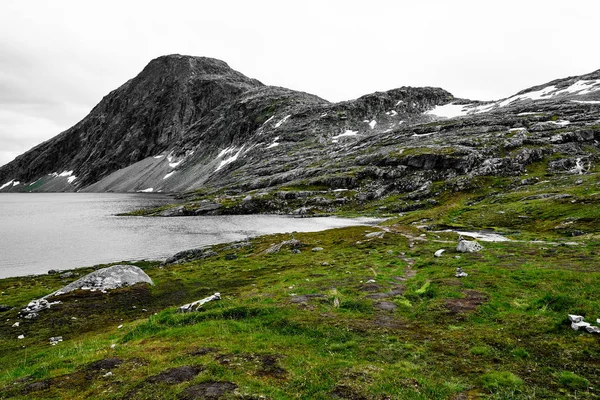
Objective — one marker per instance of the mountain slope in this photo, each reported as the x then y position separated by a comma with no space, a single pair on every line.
139,119
188,123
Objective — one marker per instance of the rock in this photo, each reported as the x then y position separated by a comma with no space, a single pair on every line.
32,309
53,272
21,337
15,325
293,244
370,281
575,318
231,257
439,253
460,273
467,246
68,274
315,249
55,340
196,305
372,235
592,329
581,324
107,279
190,255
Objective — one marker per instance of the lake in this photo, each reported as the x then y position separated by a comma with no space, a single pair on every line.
44,231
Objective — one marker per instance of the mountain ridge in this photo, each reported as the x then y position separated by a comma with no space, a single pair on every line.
187,123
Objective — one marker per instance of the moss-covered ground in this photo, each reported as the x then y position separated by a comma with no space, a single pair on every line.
365,318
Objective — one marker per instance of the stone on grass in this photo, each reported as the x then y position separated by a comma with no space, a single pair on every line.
467,246
107,279
592,329
32,309
460,273
293,244
581,324
575,318
315,249
378,235
439,252
55,340
196,305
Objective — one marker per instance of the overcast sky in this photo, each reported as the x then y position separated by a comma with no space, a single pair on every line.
59,58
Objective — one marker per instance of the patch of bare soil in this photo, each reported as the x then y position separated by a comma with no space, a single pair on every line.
207,390
346,393
469,303
176,375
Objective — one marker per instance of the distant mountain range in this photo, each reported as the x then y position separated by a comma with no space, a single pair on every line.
186,123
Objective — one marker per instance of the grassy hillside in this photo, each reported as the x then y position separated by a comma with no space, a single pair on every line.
367,317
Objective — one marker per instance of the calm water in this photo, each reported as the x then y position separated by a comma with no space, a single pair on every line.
39,232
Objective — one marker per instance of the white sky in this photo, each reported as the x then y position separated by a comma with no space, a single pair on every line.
59,58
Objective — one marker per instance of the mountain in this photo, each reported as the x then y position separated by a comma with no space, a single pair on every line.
188,123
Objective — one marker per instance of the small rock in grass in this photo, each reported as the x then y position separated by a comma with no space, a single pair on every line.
315,249
15,325
55,340
108,374
371,281
592,329
21,337
378,234
581,324
575,318
439,252
119,327
460,273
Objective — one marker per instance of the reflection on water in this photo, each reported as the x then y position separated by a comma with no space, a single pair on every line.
43,231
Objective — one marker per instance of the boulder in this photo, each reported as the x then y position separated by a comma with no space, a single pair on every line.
108,278
467,246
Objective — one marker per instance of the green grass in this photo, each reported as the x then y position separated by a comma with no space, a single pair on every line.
502,332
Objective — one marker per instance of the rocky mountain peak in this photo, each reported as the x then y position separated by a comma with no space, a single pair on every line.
185,123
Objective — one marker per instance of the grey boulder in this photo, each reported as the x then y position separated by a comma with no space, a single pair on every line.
108,278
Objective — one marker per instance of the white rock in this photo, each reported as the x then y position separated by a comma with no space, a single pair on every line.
467,246
575,318
581,324
119,327
55,340
460,273
21,337
15,325
592,329
106,375
371,281
375,234
439,252
198,304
